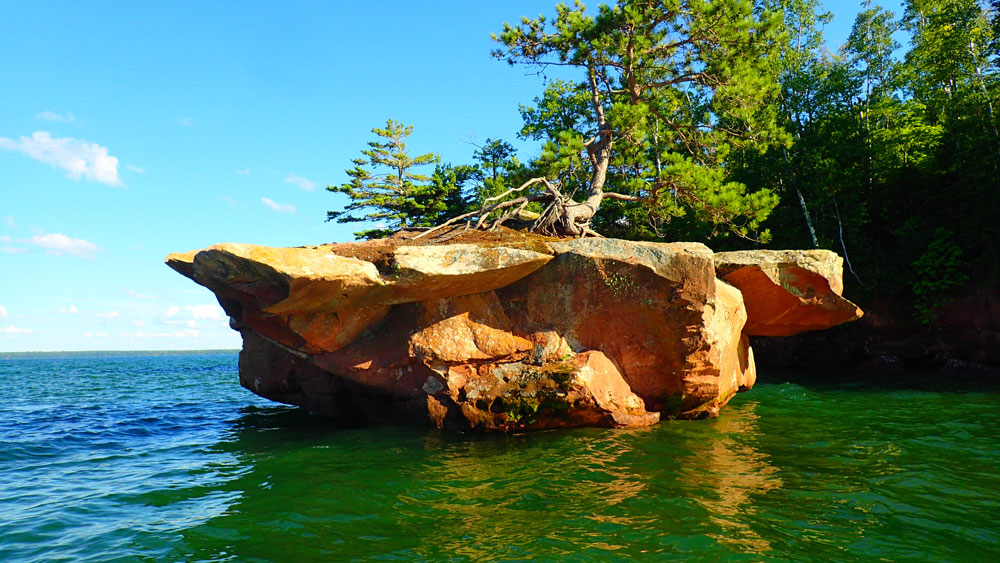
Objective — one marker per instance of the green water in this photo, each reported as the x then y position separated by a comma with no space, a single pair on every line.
168,459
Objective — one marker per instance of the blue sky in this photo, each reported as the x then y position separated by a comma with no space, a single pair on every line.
131,130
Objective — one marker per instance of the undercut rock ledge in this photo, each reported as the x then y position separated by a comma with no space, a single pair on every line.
510,335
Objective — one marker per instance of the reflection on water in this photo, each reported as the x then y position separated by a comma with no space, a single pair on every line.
163,459
737,472
420,493
790,473
591,494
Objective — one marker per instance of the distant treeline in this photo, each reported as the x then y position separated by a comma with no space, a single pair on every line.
110,354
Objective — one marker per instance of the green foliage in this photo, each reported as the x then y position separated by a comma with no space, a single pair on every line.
669,92
939,269
893,161
497,169
896,160
384,188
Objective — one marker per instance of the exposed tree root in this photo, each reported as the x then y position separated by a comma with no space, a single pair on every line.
562,217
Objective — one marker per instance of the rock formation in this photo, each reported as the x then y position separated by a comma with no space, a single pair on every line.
788,291
519,332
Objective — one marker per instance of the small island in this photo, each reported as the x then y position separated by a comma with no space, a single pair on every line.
511,331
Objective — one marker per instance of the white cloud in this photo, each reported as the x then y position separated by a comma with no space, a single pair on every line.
9,221
47,115
137,295
206,311
11,329
13,249
138,323
5,238
59,244
304,183
229,200
79,158
109,315
71,310
3,312
279,207
244,172
191,315
186,121
96,334
135,169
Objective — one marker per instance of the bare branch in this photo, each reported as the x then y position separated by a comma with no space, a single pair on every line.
623,197
486,209
511,203
510,213
455,233
690,77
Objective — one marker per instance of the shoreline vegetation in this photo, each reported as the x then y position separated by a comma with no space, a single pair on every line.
112,354
734,124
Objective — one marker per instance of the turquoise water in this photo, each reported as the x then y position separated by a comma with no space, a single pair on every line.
167,459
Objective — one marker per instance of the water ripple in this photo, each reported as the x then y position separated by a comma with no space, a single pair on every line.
168,459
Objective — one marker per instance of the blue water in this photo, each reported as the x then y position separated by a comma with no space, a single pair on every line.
167,458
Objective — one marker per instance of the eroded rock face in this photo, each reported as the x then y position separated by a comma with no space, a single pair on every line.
535,334
649,307
307,299
317,301
788,291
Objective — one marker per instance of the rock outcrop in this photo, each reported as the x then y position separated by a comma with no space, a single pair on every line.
788,291
506,335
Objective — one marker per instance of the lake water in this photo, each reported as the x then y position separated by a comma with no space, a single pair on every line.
168,459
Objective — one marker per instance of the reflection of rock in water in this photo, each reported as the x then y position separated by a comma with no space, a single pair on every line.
425,494
506,494
737,473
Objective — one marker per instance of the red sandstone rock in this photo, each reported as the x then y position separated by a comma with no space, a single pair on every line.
788,291
593,332
650,308
312,299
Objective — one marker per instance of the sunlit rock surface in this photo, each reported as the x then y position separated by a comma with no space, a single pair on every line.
788,291
507,335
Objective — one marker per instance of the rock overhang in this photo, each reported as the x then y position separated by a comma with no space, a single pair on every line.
788,291
414,332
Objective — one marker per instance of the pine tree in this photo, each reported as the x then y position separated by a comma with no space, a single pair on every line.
385,187
669,91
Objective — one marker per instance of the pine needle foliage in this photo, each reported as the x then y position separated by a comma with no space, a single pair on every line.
385,188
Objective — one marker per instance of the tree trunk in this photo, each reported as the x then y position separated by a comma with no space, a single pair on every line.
570,218
847,259
986,94
802,200
809,223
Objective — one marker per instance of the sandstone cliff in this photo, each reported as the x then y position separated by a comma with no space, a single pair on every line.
514,333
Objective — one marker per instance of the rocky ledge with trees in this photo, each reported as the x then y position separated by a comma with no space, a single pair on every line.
734,123
722,121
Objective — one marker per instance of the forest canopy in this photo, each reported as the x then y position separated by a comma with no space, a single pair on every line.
733,122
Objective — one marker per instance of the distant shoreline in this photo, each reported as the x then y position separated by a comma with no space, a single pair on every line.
110,354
